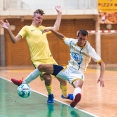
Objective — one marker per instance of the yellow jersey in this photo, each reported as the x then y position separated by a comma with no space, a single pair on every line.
38,44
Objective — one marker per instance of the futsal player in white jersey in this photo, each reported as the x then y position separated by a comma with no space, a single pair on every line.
81,53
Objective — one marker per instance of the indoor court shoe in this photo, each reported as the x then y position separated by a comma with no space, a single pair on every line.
70,97
76,100
50,99
16,82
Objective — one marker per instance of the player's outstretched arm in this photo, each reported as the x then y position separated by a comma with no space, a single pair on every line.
102,69
59,35
7,26
58,19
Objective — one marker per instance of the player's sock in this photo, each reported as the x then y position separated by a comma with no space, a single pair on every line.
77,96
76,91
64,90
49,89
50,95
64,93
33,75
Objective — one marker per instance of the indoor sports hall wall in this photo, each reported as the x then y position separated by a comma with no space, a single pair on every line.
18,54
109,45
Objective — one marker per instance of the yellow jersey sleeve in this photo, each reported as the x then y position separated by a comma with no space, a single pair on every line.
43,27
23,31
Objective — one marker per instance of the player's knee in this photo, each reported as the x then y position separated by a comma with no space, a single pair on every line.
47,77
63,83
41,67
78,83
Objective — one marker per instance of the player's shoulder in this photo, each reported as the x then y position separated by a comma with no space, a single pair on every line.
26,27
70,39
88,46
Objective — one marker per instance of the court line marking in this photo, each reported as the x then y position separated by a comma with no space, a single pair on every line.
56,100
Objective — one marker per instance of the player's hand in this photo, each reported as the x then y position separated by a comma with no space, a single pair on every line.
46,30
58,9
5,24
100,80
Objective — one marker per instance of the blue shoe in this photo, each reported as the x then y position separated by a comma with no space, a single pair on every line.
50,99
70,97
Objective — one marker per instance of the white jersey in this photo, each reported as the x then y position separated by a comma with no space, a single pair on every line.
80,56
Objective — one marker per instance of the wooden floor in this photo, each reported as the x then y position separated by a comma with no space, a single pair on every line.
95,99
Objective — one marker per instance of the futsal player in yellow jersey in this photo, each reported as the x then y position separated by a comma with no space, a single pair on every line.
39,48
38,44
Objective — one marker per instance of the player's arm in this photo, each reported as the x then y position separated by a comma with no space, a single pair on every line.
102,69
6,26
57,22
58,19
96,58
59,35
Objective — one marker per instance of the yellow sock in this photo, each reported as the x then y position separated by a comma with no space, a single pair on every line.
64,90
49,89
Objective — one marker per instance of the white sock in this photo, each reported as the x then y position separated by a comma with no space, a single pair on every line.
76,91
33,75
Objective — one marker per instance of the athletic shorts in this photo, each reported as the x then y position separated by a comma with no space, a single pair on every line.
44,61
70,74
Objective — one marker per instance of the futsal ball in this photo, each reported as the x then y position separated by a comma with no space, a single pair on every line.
24,90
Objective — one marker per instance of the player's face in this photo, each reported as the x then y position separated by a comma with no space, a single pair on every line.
81,40
37,19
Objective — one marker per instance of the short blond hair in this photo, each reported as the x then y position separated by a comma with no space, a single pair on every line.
38,11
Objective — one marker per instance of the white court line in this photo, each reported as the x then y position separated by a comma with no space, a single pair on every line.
57,100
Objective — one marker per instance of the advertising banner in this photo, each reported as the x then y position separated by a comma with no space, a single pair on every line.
107,11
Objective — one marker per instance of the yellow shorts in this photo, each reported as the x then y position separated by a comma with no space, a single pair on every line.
44,61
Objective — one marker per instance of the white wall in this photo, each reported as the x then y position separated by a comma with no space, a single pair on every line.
48,4
26,7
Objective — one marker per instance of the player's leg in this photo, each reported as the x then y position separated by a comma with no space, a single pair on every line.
48,84
47,68
33,75
48,81
76,78
63,83
63,87
55,69
46,77
77,84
